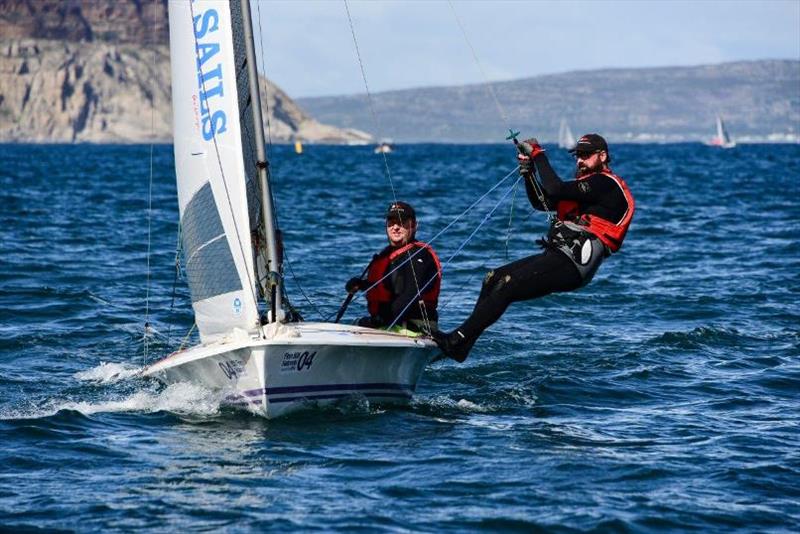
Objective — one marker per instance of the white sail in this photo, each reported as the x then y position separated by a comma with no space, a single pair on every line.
565,137
722,133
723,138
210,167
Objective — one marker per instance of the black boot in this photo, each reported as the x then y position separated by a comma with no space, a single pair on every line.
454,345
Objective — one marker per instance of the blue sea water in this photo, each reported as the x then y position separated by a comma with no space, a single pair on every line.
661,397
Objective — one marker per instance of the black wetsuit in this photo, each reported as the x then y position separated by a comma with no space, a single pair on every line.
405,285
550,271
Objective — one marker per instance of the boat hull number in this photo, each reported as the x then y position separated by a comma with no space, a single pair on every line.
232,368
297,361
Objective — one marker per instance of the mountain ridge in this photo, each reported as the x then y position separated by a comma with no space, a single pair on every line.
759,100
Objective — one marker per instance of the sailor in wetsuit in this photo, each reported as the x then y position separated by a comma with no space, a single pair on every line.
593,213
403,279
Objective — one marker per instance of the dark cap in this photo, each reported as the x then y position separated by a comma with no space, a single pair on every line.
590,143
402,211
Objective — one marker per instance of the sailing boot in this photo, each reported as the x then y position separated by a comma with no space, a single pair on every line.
454,345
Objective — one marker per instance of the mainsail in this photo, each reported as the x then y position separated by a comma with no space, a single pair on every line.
217,193
722,132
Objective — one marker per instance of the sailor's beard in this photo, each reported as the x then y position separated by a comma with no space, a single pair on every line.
585,170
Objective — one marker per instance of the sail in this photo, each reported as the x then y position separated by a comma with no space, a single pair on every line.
213,183
723,138
565,137
722,132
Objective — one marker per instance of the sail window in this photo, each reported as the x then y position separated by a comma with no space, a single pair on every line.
209,263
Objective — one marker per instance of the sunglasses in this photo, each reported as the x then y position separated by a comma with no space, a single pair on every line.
585,155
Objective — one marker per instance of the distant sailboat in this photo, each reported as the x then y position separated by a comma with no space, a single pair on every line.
565,138
723,138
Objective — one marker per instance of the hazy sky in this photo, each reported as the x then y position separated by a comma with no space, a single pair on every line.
309,51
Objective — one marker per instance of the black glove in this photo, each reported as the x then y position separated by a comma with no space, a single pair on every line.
526,166
355,284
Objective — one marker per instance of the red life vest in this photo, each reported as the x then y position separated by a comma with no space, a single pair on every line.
609,232
379,294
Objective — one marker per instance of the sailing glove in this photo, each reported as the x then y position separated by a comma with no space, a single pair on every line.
526,167
531,147
355,284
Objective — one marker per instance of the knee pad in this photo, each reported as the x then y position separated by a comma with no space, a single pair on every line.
488,279
493,283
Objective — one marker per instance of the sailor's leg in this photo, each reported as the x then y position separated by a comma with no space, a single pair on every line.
525,279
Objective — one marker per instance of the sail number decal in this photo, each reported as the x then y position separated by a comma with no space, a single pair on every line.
209,71
297,361
232,368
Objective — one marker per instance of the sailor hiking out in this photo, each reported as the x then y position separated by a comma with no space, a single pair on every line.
593,213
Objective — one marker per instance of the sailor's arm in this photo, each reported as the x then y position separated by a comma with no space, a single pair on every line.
533,198
551,183
589,190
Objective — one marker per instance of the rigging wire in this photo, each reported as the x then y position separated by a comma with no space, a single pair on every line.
501,112
489,85
370,104
439,233
288,262
459,249
511,216
178,249
378,132
443,230
145,338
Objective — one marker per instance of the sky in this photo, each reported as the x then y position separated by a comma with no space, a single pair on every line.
308,47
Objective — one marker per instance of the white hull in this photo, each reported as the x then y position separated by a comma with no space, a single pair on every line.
300,365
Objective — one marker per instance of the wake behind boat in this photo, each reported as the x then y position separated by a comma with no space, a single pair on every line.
253,346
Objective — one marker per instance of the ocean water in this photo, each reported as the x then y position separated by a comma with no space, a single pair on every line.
664,396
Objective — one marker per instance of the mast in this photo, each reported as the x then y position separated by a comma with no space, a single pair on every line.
267,209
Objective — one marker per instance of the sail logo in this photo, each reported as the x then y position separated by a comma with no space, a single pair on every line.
209,73
297,361
237,306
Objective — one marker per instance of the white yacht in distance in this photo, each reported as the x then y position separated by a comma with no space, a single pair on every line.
723,138
565,138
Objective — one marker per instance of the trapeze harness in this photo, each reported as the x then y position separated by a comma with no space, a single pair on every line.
585,238
379,295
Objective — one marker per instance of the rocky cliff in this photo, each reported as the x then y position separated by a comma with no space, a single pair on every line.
97,71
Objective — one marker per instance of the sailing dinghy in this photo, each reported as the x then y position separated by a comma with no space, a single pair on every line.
723,138
251,348
565,138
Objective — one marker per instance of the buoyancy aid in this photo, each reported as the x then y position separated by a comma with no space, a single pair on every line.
609,232
378,268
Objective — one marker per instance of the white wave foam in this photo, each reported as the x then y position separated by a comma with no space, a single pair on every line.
181,398
441,401
107,373
469,406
